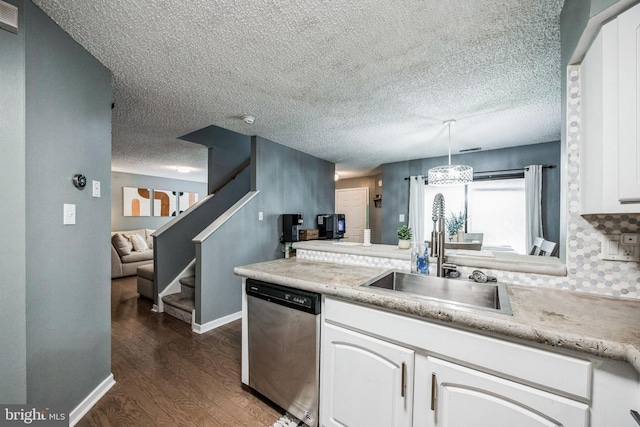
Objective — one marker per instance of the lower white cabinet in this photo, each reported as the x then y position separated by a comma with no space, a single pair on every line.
380,368
459,396
365,381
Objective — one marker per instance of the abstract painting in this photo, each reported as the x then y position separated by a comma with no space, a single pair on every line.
136,201
186,200
164,203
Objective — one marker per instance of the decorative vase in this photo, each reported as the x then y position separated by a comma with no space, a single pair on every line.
367,237
461,236
404,244
453,238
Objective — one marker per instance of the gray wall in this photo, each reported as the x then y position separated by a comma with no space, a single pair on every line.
289,182
375,214
121,179
227,151
68,286
395,194
13,369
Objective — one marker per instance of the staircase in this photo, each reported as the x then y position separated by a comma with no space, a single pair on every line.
182,304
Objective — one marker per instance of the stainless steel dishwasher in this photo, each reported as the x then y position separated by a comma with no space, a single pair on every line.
284,347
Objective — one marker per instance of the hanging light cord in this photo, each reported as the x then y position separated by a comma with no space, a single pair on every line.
448,123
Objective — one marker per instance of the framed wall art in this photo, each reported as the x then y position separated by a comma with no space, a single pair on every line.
136,201
164,203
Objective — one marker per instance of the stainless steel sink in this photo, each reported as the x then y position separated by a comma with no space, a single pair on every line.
458,293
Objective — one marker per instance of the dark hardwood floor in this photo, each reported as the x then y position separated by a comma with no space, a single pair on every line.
167,375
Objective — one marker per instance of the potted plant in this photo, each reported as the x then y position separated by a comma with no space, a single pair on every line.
455,223
404,237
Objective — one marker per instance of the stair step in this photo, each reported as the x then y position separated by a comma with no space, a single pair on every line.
189,281
179,300
188,287
178,306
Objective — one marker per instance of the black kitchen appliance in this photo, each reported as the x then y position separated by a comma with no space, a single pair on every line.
331,226
291,225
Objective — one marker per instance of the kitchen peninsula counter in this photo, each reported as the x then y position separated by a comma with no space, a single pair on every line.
586,323
336,251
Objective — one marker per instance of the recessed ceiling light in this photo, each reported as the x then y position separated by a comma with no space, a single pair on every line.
183,169
249,119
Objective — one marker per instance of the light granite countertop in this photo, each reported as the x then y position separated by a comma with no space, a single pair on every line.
587,323
478,259
343,247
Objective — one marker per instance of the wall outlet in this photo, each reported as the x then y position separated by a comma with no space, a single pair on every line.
628,250
612,249
629,239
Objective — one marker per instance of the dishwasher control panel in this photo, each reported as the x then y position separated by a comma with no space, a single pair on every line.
302,300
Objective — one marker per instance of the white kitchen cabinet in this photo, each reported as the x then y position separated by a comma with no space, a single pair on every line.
459,396
610,148
629,112
479,380
365,381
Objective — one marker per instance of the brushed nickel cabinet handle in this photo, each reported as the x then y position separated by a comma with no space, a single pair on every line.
404,379
433,391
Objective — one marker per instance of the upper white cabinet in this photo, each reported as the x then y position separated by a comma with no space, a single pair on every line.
629,113
610,147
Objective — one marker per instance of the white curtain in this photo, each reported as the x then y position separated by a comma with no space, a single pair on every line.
533,202
416,208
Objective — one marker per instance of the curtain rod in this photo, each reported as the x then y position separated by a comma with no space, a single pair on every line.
505,171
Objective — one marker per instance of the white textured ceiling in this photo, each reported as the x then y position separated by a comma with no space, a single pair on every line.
358,83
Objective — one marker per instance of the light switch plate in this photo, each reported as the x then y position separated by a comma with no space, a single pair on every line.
613,250
401,218
260,216
69,214
96,188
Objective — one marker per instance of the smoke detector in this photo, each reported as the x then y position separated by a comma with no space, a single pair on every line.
248,119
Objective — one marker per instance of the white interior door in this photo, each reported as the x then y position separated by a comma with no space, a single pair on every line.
352,202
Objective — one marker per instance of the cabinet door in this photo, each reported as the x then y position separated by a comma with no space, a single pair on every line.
365,381
465,397
629,112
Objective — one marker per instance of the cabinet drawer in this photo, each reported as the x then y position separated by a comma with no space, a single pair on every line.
544,369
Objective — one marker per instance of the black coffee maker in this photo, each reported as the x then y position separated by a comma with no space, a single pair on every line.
291,226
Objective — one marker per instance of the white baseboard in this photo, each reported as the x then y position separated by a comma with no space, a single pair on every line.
201,329
88,402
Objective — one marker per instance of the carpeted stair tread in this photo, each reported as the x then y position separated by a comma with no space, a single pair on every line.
188,281
179,301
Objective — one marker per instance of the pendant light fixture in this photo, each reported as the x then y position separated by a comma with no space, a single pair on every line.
450,174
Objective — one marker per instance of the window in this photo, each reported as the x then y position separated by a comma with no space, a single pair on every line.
495,208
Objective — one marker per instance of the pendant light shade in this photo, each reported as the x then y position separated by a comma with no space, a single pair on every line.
450,174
